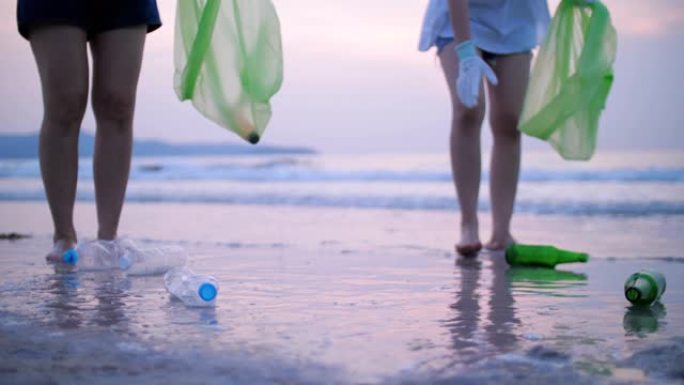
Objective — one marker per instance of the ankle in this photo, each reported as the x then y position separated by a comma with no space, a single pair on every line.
470,233
469,221
106,235
503,237
66,237
501,230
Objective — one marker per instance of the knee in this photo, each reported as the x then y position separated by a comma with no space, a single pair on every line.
468,120
114,106
64,111
505,126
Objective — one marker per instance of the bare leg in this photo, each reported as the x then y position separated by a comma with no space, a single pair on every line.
506,100
465,155
117,58
62,60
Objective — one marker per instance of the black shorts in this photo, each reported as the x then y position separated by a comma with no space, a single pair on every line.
93,16
489,57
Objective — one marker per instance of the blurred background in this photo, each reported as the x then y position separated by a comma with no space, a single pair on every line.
362,121
355,81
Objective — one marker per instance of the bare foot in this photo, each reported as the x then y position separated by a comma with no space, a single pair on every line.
498,243
58,249
470,244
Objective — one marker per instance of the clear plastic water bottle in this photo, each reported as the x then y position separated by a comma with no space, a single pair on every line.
193,289
151,261
93,256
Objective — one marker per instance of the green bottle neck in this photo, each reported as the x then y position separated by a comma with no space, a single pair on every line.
642,290
565,256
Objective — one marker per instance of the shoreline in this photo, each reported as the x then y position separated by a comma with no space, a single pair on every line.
314,228
340,296
334,315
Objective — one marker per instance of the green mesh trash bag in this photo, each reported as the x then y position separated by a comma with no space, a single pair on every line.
571,80
228,58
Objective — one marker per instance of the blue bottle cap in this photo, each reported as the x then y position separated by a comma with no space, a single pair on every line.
125,262
70,256
207,291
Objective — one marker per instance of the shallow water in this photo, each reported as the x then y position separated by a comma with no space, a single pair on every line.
286,314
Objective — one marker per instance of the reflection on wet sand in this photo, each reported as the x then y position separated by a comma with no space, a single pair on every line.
546,282
642,320
467,307
485,302
113,301
502,310
177,313
65,301
469,314
74,306
110,291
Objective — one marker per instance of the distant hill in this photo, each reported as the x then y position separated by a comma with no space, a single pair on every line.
26,146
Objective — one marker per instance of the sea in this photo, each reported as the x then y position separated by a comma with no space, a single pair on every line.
624,183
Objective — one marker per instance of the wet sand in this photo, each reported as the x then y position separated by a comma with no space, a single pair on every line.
341,297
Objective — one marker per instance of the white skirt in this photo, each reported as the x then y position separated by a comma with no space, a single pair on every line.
497,26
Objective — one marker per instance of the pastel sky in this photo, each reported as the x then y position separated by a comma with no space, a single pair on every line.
355,82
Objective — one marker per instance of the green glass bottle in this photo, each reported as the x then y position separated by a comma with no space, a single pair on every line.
540,255
644,287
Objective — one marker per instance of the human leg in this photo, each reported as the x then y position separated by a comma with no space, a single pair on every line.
506,100
465,154
117,58
61,56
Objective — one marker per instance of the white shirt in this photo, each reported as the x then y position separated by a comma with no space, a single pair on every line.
496,26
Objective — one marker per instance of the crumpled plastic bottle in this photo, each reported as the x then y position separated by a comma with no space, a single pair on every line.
93,255
152,260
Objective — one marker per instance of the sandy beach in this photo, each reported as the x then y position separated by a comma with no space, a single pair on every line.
341,296
333,240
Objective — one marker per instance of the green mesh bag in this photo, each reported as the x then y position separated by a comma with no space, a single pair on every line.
228,59
571,80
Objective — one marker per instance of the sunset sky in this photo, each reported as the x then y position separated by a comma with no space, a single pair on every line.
355,82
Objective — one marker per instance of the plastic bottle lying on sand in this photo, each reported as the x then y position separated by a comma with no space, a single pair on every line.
645,287
151,261
93,256
193,289
544,256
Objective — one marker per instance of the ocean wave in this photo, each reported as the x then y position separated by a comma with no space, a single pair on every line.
293,170
417,202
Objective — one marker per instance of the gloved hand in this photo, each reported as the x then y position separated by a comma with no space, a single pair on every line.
471,68
584,2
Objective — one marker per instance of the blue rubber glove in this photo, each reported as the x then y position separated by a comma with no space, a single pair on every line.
471,68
